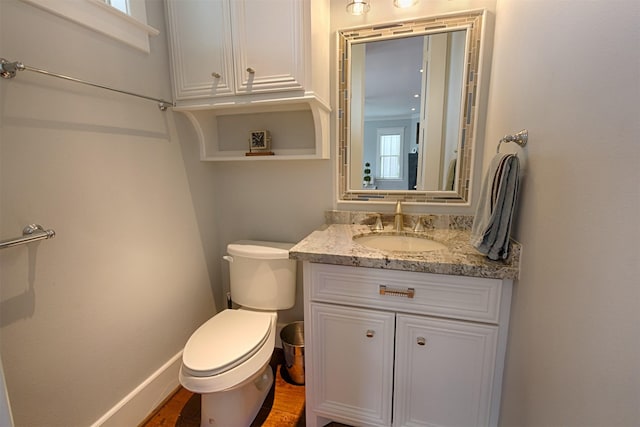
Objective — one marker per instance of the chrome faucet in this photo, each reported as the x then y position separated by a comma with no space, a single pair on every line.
398,220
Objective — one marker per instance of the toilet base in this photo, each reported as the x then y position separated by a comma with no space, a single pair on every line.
237,407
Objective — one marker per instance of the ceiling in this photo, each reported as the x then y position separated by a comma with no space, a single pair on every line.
393,77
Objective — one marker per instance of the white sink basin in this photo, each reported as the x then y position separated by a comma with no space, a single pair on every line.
400,243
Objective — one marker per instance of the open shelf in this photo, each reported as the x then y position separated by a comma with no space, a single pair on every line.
299,129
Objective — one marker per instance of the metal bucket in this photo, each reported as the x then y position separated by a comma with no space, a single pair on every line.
292,337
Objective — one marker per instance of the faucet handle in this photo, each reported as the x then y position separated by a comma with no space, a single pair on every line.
419,227
378,225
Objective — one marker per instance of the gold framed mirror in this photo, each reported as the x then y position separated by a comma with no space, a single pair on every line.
408,101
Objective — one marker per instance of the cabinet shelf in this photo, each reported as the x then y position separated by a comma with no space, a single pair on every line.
299,128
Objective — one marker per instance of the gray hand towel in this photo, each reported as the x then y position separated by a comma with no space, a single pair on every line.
492,222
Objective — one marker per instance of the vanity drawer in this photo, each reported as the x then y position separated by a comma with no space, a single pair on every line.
459,297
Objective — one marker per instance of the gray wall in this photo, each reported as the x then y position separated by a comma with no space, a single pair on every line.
89,315
574,350
279,201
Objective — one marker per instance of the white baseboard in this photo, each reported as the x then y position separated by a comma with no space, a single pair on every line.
138,404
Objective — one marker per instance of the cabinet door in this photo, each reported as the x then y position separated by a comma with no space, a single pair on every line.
200,41
268,44
353,364
444,372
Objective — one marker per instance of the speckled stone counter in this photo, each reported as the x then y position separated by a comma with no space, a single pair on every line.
334,244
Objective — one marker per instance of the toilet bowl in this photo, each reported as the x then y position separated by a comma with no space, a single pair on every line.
226,360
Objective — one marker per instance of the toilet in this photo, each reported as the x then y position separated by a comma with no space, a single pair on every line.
226,360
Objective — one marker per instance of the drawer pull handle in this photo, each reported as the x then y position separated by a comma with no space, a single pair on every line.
421,341
251,70
409,292
215,75
370,333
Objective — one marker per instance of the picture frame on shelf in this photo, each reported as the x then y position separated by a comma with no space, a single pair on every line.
259,143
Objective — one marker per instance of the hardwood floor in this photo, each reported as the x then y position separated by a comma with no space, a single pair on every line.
283,407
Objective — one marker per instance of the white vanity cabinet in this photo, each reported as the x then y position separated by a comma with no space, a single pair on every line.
398,348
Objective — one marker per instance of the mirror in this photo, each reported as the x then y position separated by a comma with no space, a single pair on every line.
407,109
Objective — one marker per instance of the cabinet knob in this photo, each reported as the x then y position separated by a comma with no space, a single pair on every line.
215,75
421,341
251,70
370,333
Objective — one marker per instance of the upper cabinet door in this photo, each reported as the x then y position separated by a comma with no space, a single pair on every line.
268,45
200,40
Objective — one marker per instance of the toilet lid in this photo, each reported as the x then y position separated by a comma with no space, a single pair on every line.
260,250
225,341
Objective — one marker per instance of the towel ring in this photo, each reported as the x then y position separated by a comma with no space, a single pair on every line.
521,138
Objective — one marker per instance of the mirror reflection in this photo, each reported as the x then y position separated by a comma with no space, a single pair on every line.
410,118
407,108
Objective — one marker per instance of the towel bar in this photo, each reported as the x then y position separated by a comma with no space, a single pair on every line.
30,233
8,70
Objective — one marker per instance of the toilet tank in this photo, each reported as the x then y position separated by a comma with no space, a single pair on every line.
261,274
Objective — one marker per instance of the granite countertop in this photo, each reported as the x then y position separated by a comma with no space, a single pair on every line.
333,244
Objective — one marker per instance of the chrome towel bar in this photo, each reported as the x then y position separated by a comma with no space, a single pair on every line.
30,233
8,70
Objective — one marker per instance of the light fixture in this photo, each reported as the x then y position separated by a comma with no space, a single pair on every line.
404,3
358,7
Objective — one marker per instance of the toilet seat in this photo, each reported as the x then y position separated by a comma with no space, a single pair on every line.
225,341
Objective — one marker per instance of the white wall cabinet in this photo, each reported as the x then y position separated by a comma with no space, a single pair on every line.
435,358
200,45
244,57
224,48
